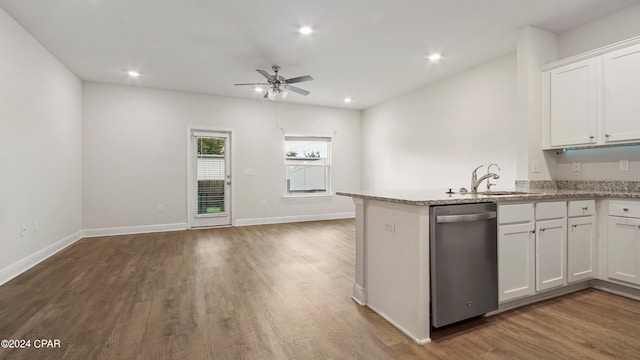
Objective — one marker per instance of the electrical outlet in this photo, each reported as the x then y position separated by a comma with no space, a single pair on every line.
249,172
264,202
160,207
535,166
23,230
624,165
577,166
391,227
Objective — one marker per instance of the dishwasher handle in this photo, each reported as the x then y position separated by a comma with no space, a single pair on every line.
443,219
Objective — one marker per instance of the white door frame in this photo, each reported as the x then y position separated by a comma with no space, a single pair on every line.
191,190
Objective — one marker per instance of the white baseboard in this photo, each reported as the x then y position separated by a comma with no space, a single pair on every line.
419,341
134,230
296,218
618,289
359,295
30,261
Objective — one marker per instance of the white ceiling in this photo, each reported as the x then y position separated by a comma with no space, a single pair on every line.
370,50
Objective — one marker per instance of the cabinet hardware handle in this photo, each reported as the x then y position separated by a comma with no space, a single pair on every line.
574,226
625,209
533,231
591,137
606,135
585,208
543,229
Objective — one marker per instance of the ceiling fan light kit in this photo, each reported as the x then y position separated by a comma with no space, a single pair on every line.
278,84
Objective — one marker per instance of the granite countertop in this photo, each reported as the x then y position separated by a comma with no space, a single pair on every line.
440,197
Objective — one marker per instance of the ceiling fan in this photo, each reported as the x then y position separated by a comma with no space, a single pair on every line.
278,83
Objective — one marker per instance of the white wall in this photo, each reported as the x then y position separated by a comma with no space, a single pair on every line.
535,48
135,143
610,29
435,136
40,145
600,164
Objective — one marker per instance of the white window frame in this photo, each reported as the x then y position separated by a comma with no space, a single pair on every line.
328,177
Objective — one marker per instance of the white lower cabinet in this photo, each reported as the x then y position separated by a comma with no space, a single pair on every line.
542,249
551,244
515,261
624,249
580,248
581,240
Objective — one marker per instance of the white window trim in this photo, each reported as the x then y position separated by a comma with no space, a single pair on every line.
306,137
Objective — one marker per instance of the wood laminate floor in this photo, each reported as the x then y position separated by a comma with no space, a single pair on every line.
268,292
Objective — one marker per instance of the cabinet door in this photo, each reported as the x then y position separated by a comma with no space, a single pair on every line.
624,249
573,104
621,105
580,248
515,261
551,244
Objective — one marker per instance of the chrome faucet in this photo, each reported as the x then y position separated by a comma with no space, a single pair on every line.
489,184
475,182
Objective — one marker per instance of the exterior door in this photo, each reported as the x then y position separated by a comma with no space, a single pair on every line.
210,179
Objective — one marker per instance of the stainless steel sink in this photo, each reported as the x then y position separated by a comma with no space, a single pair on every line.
501,193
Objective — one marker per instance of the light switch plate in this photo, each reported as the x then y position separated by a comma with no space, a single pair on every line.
535,166
624,165
249,172
577,166
390,227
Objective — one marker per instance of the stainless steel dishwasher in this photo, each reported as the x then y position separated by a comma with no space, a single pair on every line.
464,262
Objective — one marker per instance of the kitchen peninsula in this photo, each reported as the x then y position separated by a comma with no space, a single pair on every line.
392,274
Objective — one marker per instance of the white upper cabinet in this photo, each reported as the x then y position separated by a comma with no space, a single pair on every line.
573,104
622,86
592,101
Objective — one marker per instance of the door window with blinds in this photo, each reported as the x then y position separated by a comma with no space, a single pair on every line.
308,165
210,170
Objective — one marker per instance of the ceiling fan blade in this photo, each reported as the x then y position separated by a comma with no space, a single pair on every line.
299,79
266,74
252,84
297,90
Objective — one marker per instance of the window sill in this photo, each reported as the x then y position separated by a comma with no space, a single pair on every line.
306,196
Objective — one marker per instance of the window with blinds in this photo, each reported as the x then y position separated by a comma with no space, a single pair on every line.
308,165
210,171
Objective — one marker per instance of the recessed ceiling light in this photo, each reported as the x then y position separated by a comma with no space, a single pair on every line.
347,100
434,57
133,73
305,30
258,89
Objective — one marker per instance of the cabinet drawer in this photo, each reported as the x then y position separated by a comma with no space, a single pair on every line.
582,207
624,208
551,210
515,213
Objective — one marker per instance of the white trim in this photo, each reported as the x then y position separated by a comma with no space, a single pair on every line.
359,295
307,195
403,330
134,230
32,260
296,218
618,289
190,189
592,53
